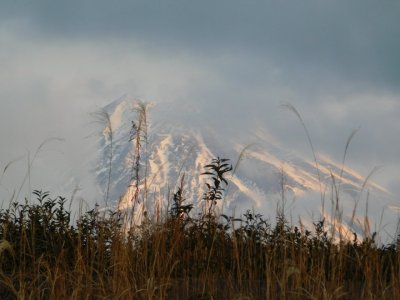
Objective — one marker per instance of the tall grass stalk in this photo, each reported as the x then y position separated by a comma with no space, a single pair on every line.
139,136
291,108
103,118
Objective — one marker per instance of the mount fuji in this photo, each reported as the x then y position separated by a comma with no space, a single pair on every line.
265,177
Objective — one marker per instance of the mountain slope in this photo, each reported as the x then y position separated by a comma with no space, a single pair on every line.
178,147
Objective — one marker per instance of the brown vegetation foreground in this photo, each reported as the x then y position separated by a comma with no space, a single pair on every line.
43,257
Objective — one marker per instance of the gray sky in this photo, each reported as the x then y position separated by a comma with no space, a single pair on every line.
337,62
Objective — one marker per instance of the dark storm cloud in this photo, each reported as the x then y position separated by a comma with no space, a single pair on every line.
336,61
353,39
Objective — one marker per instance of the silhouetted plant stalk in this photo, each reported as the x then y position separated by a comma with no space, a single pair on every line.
336,182
291,108
30,162
179,209
214,192
103,118
138,135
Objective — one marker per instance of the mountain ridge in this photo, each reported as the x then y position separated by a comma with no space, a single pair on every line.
264,171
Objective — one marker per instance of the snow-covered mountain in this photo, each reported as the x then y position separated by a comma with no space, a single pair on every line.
180,146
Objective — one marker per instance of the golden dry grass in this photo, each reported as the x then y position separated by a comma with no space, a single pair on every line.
43,257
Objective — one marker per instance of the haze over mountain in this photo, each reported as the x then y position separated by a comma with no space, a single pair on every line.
218,70
179,147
